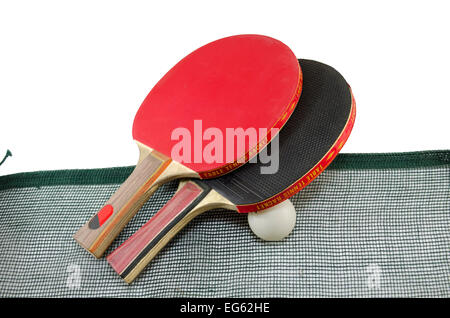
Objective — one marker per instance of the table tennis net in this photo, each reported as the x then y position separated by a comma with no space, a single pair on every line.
372,225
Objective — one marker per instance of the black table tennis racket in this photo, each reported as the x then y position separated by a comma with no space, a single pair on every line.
309,141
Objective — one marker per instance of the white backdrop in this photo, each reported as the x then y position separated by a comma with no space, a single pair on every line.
73,73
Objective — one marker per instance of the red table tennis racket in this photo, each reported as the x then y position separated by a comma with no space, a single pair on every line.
244,81
309,141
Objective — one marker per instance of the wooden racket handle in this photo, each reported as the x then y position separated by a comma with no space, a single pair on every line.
129,259
99,232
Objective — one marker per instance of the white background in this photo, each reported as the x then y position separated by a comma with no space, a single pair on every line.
73,73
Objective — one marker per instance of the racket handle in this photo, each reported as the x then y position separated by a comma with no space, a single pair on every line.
129,259
99,232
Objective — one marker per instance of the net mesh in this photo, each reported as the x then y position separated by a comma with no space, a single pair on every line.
374,225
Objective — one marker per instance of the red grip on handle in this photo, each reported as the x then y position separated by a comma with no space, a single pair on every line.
122,257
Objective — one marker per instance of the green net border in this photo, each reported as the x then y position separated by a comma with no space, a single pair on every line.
116,175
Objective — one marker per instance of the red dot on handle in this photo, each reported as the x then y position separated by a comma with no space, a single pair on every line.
104,214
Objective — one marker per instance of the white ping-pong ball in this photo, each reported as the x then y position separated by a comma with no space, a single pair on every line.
275,223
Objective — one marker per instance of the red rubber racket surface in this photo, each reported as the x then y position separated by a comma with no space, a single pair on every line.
248,81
